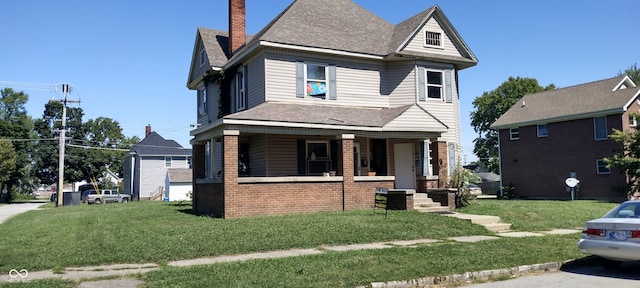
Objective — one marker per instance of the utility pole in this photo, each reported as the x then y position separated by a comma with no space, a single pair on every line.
65,90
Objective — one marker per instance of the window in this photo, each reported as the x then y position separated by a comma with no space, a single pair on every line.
433,39
202,101
601,167
167,162
316,80
318,160
434,84
189,162
203,57
240,90
514,134
600,127
542,130
633,121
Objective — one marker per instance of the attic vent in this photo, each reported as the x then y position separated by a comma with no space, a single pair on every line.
433,39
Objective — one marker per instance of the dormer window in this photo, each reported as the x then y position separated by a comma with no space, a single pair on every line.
433,39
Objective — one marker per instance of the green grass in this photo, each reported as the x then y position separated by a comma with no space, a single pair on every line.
541,215
355,268
142,232
158,232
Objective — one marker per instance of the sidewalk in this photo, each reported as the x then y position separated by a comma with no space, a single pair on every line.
85,274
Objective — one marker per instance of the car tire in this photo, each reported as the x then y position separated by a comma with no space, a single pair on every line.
98,201
610,264
125,200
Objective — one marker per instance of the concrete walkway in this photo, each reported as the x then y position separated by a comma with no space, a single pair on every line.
9,210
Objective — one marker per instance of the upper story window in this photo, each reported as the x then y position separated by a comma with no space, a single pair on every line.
543,130
433,39
434,84
167,162
240,90
202,101
633,121
514,134
316,80
601,167
600,128
203,57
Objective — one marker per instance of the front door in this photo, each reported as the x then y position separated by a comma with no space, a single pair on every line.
404,166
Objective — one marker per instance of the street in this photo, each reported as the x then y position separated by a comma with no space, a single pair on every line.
574,276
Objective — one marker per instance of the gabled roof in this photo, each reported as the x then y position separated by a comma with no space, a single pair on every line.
599,98
155,145
335,25
338,116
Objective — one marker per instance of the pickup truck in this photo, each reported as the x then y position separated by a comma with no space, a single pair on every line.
106,197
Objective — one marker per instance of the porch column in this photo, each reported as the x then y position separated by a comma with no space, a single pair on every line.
349,193
440,162
230,172
197,172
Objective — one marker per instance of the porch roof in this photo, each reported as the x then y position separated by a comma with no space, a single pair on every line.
409,118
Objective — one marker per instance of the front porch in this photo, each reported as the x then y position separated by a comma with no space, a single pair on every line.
287,174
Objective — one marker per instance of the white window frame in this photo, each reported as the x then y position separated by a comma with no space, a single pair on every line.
633,121
307,80
202,101
601,167
240,90
435,85
202,57
429,40
168,161
595,128
188,162
514,134
546,131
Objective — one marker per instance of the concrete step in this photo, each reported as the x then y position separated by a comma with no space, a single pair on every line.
477,219
432,209
497,227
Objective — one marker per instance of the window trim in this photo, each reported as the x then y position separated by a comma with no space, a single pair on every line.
427,39
168,161
546,130
240,90
514,133
309,158
595,128
203,96
439,86
307,79
633,121
601,167
202,57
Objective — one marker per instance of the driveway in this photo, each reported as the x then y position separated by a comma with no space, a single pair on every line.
9,210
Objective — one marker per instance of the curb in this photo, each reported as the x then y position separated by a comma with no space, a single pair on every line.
471,276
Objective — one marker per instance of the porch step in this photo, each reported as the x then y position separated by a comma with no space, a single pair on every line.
422,203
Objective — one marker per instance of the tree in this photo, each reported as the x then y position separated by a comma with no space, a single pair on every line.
633,72
7,167
489,107
17,127
108,146
628,159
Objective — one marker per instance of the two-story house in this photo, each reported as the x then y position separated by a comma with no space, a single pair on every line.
298,117
147,163
550,136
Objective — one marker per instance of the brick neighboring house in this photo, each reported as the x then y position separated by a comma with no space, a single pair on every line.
549,136
147,163
325,88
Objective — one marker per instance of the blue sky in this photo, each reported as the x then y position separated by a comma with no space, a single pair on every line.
128,60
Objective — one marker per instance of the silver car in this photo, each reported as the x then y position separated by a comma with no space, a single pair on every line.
615,237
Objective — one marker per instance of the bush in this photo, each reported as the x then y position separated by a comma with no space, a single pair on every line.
508,192
459,179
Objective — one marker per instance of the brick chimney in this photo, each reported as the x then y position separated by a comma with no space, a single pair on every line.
147,130
237,29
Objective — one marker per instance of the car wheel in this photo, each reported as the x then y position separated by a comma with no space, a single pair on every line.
98,201
125,200
610,264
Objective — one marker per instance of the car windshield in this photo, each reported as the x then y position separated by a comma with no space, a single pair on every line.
629,209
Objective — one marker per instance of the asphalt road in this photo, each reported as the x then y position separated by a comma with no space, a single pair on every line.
9,210
575,276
